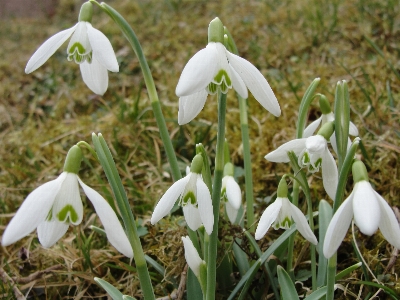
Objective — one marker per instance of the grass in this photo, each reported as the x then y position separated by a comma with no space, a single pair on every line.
43,114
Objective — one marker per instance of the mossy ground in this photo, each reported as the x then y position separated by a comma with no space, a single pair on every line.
292,42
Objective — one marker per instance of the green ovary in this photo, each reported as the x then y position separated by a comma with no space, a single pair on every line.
68,212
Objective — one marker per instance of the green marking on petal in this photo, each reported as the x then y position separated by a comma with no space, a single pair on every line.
189,197
305,160
224,197
221,81
222,76
79,54
284,224
68,212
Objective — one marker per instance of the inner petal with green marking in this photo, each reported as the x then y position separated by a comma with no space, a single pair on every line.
67,214
284,223
221,81
79,54
187,198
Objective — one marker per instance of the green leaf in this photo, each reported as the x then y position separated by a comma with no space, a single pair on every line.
347,271
109,288
304,105
324,217
318,294
288,290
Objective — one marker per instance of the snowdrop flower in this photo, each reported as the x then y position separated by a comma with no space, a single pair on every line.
280,214
192,256
215,68
53,206
370,212
327,116
231,193
194,197
313,153
88,47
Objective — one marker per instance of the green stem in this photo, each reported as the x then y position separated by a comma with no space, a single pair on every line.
111,171
216,197
247,164
331,277
151,89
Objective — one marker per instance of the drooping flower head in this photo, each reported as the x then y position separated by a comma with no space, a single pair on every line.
314,154
280,215
231,194
88,47
326,117
370,212
193,196
215,68
53,206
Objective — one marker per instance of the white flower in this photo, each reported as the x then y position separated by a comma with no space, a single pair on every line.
232,196
370,212
88,47
215,67
312,153
195,199
192,256
280,213
325,118
54,205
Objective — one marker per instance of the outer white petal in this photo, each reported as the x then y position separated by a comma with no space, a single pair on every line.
47,49
366,208
198,72
330,176
231,212
280,154
267,218
102,49
238,83
192,256
353,129
192,216
190,106
205,205
310,129
233,192
69,195
302,224
338,227
95,76
388,225
168,200
49,232
33,211
256,83
115,233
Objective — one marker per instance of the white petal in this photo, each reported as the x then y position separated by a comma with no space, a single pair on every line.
192,256
238,83
231,212
302,224
338,227
49,232
332,139
95,76
280,154
310,129
190,106
68,206
233,192
330,176
198,72
33,211
256,83
168,200
115,233
102,49
353,129
47,49
366,208
267,218
388,225
205,205
192,216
